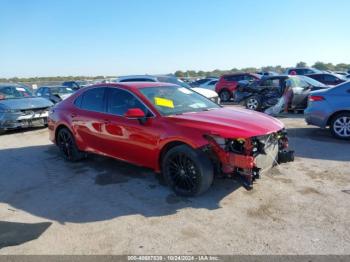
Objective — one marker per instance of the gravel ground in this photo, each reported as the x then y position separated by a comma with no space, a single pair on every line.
103,206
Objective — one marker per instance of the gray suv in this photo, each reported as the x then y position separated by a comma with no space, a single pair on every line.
330,107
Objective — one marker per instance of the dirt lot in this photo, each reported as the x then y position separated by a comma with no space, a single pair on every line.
103,206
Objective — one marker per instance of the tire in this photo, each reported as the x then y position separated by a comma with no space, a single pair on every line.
2,131
225,95
340,126
253,103
66,144
187,171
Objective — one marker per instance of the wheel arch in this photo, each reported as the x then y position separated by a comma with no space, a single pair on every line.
59,127
166,147
331,117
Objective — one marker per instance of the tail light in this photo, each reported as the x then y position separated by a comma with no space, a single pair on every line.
316,98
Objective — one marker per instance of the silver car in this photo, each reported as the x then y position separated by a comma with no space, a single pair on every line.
330,107
19,108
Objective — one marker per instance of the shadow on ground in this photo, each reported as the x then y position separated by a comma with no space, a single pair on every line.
12,234
22,130
38,181
317,143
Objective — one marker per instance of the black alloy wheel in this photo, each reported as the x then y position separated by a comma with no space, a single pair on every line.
187,171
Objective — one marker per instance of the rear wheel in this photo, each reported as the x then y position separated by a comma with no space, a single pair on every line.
340,126
187,171
2,131
67,146
253,103
225,96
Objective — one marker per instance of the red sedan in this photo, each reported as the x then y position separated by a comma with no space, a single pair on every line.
170,129
227,84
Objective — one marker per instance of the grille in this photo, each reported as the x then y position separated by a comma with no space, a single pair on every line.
266,159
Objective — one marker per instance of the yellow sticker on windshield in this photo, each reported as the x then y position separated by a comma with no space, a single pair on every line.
164,102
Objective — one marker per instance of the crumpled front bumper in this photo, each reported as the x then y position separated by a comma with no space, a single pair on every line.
22,120
270,150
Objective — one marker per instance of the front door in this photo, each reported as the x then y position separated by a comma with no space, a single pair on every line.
131,140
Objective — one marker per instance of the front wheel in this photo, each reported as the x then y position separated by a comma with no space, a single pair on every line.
67,146
253,103
340,126
187,171
225,96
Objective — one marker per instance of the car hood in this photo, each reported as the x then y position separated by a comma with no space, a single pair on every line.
205,92
64,96
230,122
25,103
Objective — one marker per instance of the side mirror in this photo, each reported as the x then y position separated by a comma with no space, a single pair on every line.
135,113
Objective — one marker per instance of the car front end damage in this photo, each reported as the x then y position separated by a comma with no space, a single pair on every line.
14,119
248,157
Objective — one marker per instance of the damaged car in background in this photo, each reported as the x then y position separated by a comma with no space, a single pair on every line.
55,93
20,109
171,129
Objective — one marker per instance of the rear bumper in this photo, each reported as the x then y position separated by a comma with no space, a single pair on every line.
315,118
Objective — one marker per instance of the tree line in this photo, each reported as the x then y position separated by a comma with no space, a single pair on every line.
188,73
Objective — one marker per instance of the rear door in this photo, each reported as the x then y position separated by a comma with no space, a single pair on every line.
87,119
301,90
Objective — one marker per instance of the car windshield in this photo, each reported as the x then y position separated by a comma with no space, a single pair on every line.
312,82
62,90
173,80
13,92
172,100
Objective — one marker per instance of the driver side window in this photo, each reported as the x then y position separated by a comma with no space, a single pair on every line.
119,101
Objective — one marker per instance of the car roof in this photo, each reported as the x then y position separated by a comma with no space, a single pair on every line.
136,76
235,74
136,85
280,77
52,86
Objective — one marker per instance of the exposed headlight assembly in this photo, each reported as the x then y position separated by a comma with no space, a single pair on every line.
230,145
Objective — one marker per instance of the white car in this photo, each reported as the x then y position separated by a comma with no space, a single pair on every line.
210,94
209,84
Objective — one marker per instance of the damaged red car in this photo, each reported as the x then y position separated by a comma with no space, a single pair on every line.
171,129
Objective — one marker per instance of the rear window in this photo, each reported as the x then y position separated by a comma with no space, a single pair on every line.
93,100
234,78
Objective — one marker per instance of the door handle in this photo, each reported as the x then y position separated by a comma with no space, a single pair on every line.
73,115
107,121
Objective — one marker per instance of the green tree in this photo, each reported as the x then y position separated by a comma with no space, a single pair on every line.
320,66
301,64
179,73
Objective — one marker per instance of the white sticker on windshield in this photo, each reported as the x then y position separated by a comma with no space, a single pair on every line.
185,90
69,89
198,105
20,89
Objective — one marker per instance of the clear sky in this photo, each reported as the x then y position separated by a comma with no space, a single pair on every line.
116,37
